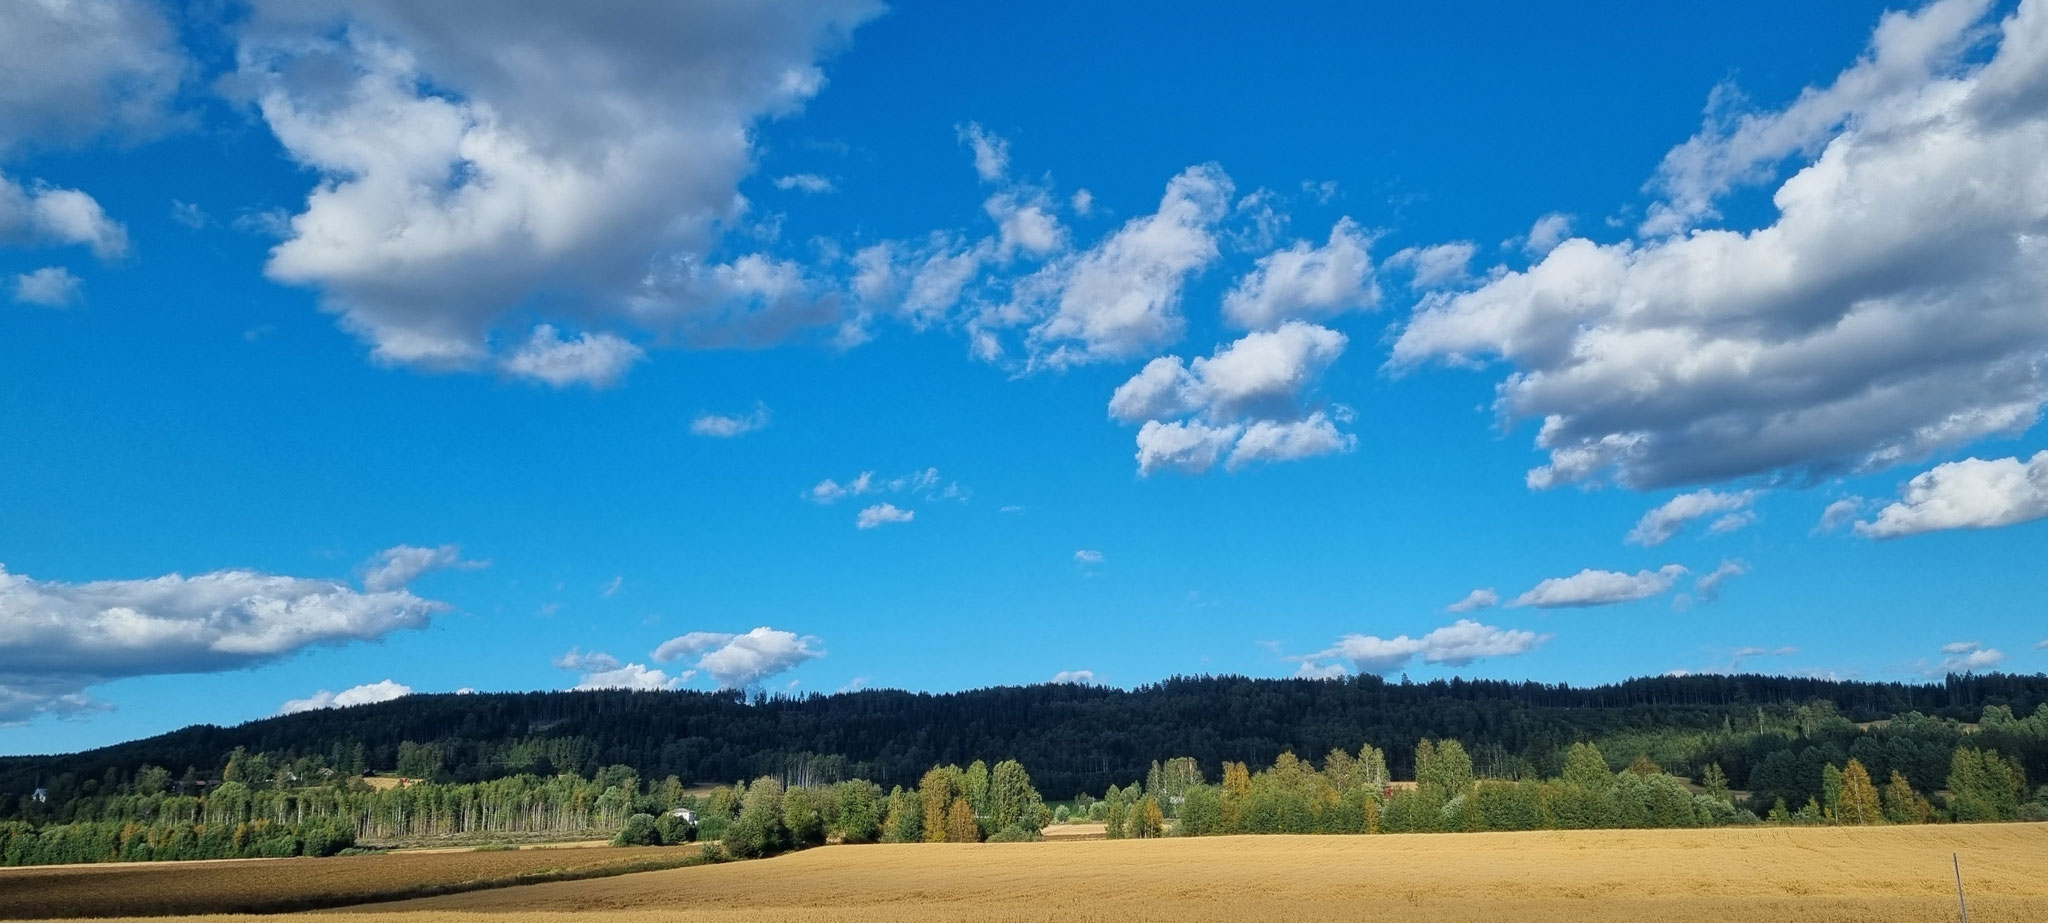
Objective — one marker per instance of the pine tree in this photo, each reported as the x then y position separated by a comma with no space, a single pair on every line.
1644,766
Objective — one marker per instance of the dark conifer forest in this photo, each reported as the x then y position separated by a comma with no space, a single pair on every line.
1761,731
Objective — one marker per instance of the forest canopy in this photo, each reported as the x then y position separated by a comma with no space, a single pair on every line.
1764,732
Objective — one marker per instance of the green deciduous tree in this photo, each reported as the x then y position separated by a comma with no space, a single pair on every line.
759,830
1859,802
1903,805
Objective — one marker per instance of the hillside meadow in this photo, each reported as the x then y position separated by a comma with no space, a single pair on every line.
1799,874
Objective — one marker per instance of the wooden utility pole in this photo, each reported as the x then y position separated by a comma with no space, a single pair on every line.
1958,860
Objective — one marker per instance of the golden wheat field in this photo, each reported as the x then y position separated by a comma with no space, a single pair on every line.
1801,875
140,888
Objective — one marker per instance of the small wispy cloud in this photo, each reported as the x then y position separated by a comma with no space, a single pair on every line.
727,426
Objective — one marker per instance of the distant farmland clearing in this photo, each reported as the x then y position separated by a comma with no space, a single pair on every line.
1835,874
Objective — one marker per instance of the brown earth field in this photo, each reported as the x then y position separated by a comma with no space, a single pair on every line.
1800,875
132,889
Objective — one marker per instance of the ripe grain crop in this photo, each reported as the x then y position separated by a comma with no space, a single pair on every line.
1805,875
135,889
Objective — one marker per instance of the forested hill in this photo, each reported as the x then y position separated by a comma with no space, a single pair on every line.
1074,738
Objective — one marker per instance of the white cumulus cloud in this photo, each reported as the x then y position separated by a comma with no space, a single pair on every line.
595,359
1969,657
1436,265
43,214
1246,398
1121,296
470,166
1889,309
991,152
1591,587
1484,598
72,70
1075,677
736,661
381,691
1661,524
1973,493
57,639
48,287
1456,644
1305,282
881,514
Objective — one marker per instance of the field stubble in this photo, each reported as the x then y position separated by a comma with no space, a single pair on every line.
131,889
1806,875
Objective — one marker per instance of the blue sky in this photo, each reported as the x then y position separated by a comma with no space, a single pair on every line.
350,353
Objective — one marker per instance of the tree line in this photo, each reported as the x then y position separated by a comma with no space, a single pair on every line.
1766,734
265,810
1356,794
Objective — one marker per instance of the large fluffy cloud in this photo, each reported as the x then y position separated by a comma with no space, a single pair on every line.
1973,493
1891,309
73,69
473,162
1591,587
1456,644
57,639
736,661
1245,400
